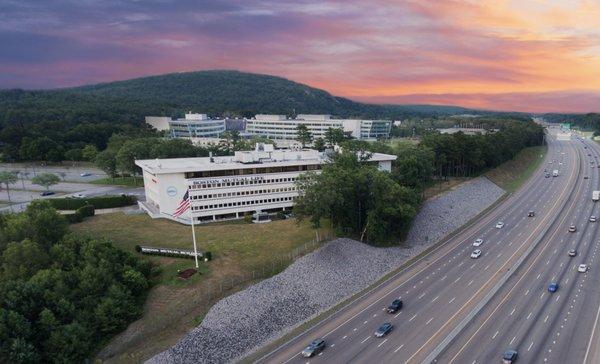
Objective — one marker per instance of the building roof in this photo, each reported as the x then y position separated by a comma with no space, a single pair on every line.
246,159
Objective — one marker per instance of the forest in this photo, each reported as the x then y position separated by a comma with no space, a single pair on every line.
62,296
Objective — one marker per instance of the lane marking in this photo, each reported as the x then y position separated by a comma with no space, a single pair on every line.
367,338
383,342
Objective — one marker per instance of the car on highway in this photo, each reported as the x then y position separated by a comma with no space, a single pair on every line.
47,193
509,356
593,218
553,287
582,268
395,306
499,225
79,195
572,229
547,175
476,254
585,177
478,242
384,329
531,214
314,348
85,174
572,253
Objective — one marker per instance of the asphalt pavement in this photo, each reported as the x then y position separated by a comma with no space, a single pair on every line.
448,295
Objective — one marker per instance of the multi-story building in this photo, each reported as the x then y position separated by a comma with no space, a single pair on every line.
196,126
229,187
281,129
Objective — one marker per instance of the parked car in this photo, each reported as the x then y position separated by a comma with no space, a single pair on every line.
553,287
509,356
85,174
531,214
395,306
384,329
572,253
593,218
47,193
314,348
582,268
499,225
478,242
476,254
572,229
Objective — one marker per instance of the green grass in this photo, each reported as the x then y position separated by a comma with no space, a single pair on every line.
241,252
121,181
514,173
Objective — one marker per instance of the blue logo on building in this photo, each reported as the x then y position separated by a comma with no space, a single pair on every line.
171,191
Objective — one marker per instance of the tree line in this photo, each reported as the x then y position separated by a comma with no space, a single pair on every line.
378,207
62,296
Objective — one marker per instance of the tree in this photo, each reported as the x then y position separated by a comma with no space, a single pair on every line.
106,161
334,136
74,154
303,135
89,152
357,198
45,179
319,144
8,178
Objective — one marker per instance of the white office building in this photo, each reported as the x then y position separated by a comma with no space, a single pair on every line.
229,187
191,126
283,130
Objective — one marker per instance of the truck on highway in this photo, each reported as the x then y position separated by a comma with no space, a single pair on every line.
595,196
555,173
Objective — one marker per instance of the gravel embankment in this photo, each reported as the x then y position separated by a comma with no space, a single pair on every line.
248,319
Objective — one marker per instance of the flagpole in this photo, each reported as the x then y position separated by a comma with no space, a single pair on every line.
193,230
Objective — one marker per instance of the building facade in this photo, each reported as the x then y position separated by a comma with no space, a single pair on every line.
229,187
196,126
281,129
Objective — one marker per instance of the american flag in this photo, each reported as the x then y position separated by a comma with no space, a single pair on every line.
184,205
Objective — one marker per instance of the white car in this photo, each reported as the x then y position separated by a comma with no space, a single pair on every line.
582,268
85,174
478,242
499,225
593,218
476,254
79,195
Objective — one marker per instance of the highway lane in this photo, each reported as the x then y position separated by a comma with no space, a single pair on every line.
524,315
439,286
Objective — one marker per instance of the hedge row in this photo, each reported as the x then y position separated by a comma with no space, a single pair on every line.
100,202
81,213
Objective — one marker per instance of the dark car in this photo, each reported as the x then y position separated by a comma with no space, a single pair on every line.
314,348
572,253
47,193
510,356
395,306
553,287
384,329
531,213
547,175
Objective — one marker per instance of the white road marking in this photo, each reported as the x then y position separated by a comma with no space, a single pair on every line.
530,345
513,339
383,342
412,318
495,334
428,321
513,311
452,300
367,338
435,299
398,348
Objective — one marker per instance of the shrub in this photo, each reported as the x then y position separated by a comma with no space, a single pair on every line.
248,218
86,210
74,218
208,256
100,202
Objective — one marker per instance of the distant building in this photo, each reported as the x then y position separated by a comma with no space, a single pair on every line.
196,126
467,131
160,123
281,129
229,187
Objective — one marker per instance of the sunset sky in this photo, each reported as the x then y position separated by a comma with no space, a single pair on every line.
536,55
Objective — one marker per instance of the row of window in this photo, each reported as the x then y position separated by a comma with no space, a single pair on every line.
244,193
243,203
250,171
241,182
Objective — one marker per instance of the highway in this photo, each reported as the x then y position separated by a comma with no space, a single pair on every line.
459,309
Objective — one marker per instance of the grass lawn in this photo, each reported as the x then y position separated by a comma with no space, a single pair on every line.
512,174
121,181
175,306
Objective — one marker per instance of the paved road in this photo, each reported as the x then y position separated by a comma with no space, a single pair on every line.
546,327
447,288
